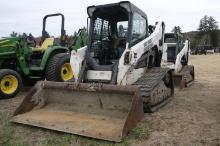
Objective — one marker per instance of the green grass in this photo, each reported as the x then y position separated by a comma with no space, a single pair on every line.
27,136
140,133
7,132
68,139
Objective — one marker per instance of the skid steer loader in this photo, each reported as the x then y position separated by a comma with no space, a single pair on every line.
176,56
117,78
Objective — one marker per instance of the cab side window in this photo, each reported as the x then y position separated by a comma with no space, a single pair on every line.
122,28
139,29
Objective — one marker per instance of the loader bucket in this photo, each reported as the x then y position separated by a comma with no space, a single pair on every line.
185,78
100,111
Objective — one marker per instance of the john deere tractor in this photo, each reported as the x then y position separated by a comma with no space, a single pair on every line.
22,60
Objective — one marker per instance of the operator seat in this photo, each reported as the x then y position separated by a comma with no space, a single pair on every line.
46,43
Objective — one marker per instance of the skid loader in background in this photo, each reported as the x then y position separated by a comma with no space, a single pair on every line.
176,56
117,77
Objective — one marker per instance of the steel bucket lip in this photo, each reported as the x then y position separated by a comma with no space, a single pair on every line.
129,122
101,136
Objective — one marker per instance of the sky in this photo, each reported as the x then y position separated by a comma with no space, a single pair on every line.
26,15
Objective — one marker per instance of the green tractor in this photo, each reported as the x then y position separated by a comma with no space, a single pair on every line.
22,60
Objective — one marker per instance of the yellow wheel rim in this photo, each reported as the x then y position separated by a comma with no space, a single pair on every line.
9,84
66,72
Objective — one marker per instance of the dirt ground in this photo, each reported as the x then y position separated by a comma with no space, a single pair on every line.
191,118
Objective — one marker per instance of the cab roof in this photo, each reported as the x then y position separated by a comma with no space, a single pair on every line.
114,10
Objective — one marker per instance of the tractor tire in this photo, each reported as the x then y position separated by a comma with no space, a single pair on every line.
10,83
58,68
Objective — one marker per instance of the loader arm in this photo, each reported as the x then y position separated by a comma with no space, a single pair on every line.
76,61
136,53
184,52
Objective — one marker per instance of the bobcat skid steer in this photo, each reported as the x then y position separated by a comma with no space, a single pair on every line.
176,56
117,77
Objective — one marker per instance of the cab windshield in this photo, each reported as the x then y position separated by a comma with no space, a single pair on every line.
109,35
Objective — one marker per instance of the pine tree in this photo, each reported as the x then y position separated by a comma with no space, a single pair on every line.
208,24
208,28
14,34
176,29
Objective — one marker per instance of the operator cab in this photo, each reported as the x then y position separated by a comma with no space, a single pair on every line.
175,44
113,28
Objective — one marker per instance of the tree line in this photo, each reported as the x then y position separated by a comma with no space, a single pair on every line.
207,33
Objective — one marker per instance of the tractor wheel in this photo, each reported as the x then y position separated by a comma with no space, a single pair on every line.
58,68
10,83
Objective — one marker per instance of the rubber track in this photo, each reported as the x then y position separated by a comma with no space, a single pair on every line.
148,82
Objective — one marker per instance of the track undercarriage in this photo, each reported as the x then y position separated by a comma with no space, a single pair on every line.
156,88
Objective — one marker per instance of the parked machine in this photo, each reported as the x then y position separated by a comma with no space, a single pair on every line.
117,77
22,59
176,56
201,49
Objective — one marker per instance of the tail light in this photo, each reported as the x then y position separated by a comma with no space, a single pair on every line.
127,58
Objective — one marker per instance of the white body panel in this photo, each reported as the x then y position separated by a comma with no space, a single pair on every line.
211,51
76,60
99,75
177,66
126,73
